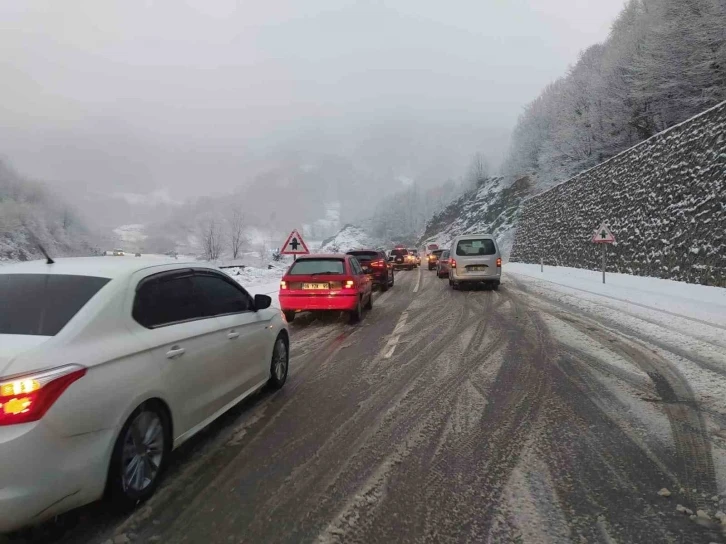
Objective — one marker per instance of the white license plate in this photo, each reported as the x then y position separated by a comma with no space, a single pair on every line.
477,268
315,285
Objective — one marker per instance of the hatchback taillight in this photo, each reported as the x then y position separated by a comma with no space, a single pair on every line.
349,284
283,284
27,398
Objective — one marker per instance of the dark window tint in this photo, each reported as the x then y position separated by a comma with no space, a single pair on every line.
365,256
220,296
304,267
42,304
168,299
484,246
445,254
438,252
399,252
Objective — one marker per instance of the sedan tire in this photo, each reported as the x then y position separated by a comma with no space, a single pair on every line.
280,363
139,456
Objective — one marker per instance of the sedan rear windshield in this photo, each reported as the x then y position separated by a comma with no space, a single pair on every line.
364,255
399,252
483,246
306,267
42,304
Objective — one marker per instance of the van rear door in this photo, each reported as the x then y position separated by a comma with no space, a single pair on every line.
476,257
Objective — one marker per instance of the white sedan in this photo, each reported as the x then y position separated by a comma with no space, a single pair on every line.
108,365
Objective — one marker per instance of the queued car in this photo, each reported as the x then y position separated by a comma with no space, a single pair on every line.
475,259
401,258
326,282
442,265
416,256
376,265
433,258
106,366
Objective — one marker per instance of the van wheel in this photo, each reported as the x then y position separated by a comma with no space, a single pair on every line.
289,316
139,456
495,286
355,315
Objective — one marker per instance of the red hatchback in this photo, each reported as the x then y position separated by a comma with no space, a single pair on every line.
326,282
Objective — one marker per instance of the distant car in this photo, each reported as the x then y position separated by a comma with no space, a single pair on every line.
376,265
138,254
118,253
320,282
416,256
475,259
433,258
442,265
401,258
106,367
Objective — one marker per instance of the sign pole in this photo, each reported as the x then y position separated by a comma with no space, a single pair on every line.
541,264
603,262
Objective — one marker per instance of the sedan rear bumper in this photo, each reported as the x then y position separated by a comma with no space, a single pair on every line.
43,474
307,302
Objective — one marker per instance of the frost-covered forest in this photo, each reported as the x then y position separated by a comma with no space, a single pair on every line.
664,61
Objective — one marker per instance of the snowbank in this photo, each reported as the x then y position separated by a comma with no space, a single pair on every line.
700,303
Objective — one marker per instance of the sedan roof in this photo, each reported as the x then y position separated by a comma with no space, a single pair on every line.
102,267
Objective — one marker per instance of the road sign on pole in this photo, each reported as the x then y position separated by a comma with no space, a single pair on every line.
603,235
294,245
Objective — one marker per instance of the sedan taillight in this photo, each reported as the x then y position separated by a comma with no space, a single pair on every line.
27,398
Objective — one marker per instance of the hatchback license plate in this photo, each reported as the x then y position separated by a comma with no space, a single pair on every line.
315,285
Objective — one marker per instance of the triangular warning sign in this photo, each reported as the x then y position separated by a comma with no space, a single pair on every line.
603,235
294,245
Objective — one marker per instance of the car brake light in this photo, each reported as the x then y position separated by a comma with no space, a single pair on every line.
499,262
377,264
283,284
27,398
349,284
452,263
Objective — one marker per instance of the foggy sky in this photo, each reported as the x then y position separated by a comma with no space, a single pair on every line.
198,95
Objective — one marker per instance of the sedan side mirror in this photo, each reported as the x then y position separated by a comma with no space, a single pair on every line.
262,302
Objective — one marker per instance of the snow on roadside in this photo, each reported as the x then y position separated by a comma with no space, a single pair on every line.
259,281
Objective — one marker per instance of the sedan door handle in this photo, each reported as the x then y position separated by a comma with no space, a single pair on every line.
232,335
175,352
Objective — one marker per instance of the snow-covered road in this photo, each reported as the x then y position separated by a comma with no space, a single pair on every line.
548,411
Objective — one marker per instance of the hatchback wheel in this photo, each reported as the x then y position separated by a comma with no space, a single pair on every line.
355,315
369,304
139,456
280,363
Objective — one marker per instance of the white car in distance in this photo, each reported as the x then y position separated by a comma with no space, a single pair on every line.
106,366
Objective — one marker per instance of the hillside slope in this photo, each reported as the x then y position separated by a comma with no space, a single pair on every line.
492,208
31,213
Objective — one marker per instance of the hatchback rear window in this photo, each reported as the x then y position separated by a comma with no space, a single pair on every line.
42,304
438,252
305,267
483,246
399,252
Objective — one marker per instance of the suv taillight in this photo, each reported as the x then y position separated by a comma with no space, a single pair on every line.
378,264
452,263
27,398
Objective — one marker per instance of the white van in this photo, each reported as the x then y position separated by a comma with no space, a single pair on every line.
475,259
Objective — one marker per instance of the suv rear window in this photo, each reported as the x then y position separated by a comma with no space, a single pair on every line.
42,304
364,255
399,252
470,248
304,267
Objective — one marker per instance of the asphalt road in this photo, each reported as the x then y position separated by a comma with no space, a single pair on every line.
444,416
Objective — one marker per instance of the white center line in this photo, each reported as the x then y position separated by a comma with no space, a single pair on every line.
395,337
418,281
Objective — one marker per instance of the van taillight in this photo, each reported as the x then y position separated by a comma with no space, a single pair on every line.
452,263
499,262
27,398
